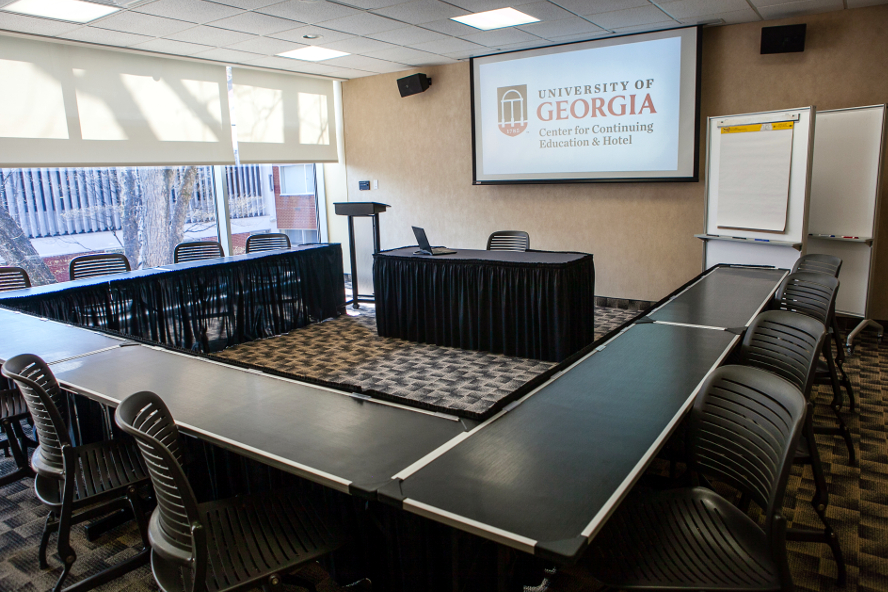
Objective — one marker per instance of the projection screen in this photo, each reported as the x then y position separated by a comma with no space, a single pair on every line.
616,109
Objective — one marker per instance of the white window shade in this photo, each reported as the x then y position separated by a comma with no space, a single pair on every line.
283,118
68,105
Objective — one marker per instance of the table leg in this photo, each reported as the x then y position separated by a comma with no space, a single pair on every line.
354,261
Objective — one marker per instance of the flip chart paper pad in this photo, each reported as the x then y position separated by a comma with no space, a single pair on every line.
753,178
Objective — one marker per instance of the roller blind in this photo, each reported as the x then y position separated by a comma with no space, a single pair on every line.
283,118
67,105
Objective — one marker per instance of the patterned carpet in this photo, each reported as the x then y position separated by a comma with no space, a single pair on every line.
348,351
858,510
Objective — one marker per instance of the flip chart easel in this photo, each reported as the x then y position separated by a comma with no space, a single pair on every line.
762,240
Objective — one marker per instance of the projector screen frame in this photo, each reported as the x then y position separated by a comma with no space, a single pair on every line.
694,178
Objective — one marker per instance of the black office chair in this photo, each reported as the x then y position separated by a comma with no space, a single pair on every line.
234,544
508,240
78,483
13,278
743,431
12,411
830,266
814,294
789,345
197,251
87,266
267,242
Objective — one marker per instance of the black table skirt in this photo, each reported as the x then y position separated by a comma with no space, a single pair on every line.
207,306
539,305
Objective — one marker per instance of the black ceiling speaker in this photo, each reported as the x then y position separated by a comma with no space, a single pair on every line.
785,39
413,85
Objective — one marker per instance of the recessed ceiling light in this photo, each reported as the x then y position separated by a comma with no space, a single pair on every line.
313,54
496,19
75,11
311,36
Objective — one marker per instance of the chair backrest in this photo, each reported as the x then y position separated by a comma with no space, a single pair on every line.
87,266
743,431
785,343
146,418
46,403
196,251
13,278
818,264
508,240
808,293
267,242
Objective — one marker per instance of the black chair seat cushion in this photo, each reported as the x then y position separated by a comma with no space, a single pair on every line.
103,468
682,539
249,538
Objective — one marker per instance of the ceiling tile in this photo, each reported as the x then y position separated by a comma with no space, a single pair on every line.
404,55
326,35
629,17
561,28
229,55
372,4
144,24
584,7
210,36
350,74
647,27
421,11
408,36
253,22
365,63
483,5
247,4
105,37
358,45
683,9
862,3
449,27
309,12
195,11
576,38
804,7
170,46
545,11
730,18
293,65
464,55
500,37
266,45
364,23
449,45
438,60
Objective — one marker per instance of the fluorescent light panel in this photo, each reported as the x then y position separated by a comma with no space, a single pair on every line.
74,11
313,54
496,19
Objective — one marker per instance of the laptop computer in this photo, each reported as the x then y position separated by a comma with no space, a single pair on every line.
424,247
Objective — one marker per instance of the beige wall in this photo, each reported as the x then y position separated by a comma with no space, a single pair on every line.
419,148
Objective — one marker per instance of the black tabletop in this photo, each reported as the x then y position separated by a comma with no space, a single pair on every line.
725,297
25,334
544,476
515,257
329,437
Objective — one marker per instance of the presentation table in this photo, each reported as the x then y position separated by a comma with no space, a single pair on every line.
532,304
207,305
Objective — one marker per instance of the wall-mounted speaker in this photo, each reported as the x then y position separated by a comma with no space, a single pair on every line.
413,85
785,39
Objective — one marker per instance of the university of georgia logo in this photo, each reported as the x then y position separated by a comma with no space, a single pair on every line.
512,102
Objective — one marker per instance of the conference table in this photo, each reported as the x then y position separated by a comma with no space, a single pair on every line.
205,305
530,304
541,476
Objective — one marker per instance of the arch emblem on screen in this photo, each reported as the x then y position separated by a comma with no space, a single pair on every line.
512,109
